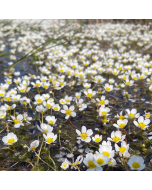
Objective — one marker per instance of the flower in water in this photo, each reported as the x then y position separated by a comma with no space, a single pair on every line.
17,120
107,151
123,149
142,123
102,101
121,123
116,137
10,139
33,145
68,111
112,162
50,138
97,138
108,87
2,114
89,93
132,113
65,164
101,160
84,134
136,163
51,119
103,111
90,163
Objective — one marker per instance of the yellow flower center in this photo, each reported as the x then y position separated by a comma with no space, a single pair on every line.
147,115
33,148
102,102
10,141
84,135
24,102
97,140
100,161
106,153
91,164
1,116
122,149
22,90
121,125
16,121
141,125
131,115
110,162
64,165
37,84
108,88
62,102
77,162
56,108
89,95
128,83
49,140
51,121
68,112
150,81
1,94
116,139
115,73
141,77
121,117
8,99
136,165
45,86
104,113
39,100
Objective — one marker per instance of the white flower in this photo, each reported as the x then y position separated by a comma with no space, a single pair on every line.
89,93
103,111
56,107
123,149
81,105
2,114
25,100
41,109
49,103
10,139
50,119
147,114
17,121
65,164
50,138
112,162
136,163
129,82
90,163
45,128
132,114
33,145
107,151
68,111
39,99
84,134
108,87
77,162
2,93
100,160
102,101
121,123
142,123
97,138
116,137
108,143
